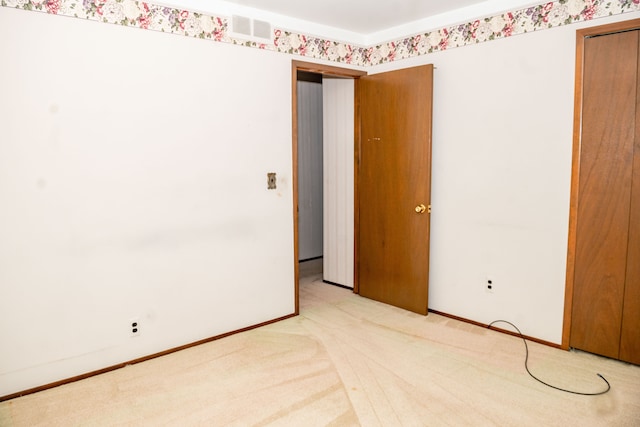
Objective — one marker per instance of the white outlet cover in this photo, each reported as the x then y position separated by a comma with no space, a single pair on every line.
131,327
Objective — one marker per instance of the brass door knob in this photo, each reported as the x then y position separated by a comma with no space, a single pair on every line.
421,208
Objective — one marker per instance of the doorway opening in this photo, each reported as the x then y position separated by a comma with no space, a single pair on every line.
387,119
310,223
310,173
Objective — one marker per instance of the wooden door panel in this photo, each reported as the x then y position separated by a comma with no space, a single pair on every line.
394,178
630,332
608,118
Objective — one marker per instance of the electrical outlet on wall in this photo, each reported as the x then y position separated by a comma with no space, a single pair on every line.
490,285
134,327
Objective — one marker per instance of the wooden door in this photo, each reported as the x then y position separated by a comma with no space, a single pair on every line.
630,331
606,166
394,178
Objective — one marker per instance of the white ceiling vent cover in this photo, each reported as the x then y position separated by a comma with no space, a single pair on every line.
249,29
261,29
241,25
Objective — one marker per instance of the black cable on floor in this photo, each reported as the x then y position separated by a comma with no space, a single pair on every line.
526,366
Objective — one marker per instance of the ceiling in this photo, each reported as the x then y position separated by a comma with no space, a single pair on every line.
360,16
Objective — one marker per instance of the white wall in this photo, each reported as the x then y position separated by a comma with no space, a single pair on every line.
133,184
309,169
502,147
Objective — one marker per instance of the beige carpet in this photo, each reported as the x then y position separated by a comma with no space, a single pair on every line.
346,361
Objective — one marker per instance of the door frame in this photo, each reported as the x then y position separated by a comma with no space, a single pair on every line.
617,27
327,70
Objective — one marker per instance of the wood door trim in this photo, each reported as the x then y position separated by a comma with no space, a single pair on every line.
575,163
327,70
356,182
495,328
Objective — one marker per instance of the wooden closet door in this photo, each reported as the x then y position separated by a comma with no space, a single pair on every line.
630,334
608,134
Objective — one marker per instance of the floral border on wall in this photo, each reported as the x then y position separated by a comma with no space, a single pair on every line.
135,13
542,16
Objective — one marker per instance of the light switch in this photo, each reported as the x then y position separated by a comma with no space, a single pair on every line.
271,181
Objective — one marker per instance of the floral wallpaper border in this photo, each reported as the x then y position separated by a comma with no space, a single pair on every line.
539,17
140,14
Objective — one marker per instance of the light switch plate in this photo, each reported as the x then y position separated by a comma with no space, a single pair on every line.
271,181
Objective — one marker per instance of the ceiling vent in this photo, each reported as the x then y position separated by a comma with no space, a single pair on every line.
241,25
250,29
